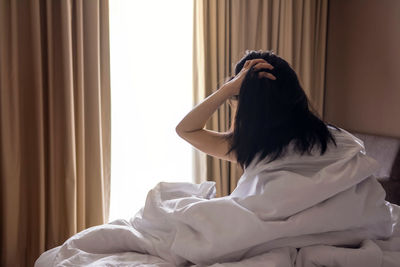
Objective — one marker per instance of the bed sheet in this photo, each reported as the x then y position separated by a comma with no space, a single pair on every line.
369,254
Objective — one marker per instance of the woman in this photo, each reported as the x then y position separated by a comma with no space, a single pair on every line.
304,185
273,111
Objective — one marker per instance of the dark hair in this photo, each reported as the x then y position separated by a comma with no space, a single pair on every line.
273,113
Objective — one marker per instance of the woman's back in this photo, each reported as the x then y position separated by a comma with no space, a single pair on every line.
298,181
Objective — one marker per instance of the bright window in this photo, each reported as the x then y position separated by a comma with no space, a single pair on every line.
151,91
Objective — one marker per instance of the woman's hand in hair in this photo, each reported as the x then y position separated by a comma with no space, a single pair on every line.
257,65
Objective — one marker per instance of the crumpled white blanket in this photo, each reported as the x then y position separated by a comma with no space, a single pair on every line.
299,210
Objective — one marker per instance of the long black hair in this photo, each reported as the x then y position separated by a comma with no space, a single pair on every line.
273,113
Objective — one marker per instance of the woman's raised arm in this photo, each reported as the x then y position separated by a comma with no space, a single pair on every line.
191,128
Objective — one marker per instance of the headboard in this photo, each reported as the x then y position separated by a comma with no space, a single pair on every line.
386,151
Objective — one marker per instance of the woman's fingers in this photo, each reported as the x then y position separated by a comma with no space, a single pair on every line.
258,64
263,65
263,74
250,63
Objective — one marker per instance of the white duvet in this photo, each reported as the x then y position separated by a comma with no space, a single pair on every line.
298,211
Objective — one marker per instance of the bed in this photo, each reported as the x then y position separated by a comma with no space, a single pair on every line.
316,239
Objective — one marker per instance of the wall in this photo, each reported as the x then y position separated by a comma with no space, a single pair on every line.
363,66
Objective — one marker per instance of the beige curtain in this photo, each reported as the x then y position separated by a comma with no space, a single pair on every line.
54,123
225,29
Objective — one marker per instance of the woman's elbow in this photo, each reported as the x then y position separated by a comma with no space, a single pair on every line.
180,131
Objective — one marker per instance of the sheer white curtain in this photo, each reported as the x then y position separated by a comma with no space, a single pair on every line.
151,91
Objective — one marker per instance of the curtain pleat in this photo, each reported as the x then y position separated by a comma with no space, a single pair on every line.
225,29
54,123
